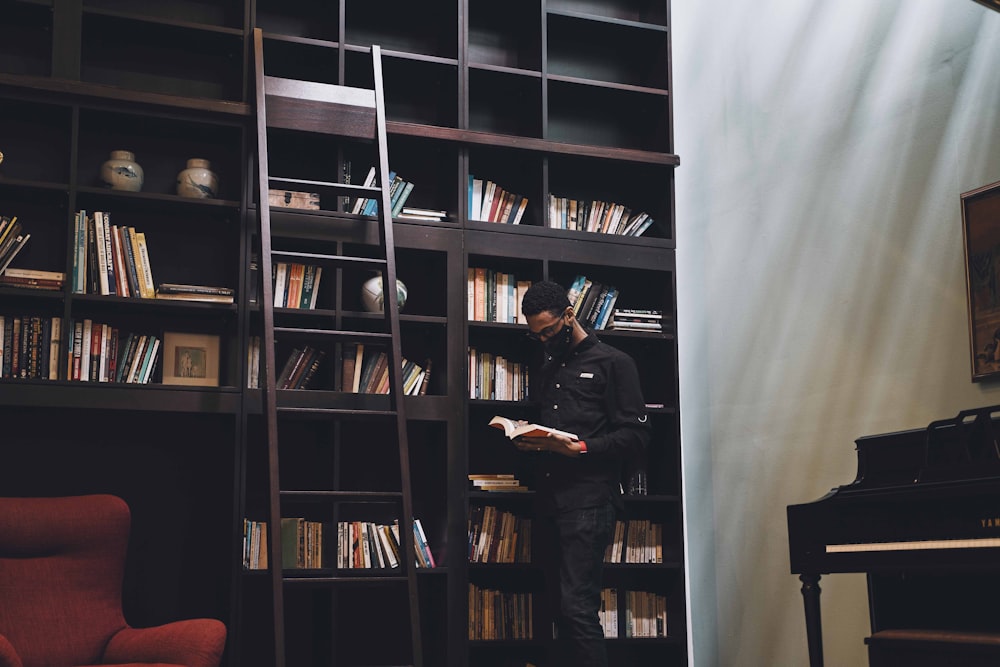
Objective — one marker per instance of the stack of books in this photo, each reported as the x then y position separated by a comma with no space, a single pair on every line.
32,278
254,545
421,214
30,347
500,482
184,292
636,319
489,202
495,296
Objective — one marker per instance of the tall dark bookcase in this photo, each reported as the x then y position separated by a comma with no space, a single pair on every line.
564,97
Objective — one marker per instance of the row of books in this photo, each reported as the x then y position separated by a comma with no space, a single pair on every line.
645,614
596,216
495,296
493,377
12,240
365,370
498,536
110,259
101,353
497,483
30,347
296,285
592,301
301,544
360,544
634,319
399,192
635,541
254,545
368,545
489,202
300,368
497,614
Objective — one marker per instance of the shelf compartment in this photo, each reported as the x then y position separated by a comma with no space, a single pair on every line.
509,38
390,24
26,39
162,147
652,12
218,14
199,247
607,52
298,59
641,188
505,103
308,19
514,171
35,140
431,166
162,58
415,90
43,214
311,612
596,115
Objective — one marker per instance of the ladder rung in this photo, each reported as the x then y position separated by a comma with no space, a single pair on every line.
331,333
344,260
306,579
351,412
342,187
369,496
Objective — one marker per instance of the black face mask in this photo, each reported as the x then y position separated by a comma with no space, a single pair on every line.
557,346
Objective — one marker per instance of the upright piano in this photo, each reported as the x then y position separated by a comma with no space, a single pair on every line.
922,520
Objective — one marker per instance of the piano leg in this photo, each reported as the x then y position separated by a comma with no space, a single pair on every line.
814,627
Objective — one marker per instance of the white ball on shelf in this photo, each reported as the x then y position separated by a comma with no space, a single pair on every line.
372,297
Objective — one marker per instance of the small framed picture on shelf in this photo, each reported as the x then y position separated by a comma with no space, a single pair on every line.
190,359
981,231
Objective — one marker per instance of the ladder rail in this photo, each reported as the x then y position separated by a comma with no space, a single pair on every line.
267,346
391,310
354,127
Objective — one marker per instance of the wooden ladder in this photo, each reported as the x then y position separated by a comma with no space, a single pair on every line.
355,114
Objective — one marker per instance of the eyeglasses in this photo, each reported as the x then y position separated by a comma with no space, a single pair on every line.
548,331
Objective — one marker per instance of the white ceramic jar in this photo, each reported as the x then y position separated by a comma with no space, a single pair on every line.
198,180
122,172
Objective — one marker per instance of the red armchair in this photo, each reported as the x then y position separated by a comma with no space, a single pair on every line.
61,567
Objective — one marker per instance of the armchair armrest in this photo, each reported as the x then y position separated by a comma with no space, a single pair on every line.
193,643
8,656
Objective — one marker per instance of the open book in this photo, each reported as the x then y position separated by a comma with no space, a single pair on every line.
516,428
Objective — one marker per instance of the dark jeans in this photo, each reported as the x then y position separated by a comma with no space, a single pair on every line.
573,556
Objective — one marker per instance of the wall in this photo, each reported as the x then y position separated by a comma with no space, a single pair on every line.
823,150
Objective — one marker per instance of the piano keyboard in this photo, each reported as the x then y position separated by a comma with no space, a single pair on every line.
917,545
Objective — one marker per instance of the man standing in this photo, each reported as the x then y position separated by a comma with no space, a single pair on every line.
590,389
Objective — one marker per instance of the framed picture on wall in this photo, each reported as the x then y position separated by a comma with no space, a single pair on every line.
190,359
981,232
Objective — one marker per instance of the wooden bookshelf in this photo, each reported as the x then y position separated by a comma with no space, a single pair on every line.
540,98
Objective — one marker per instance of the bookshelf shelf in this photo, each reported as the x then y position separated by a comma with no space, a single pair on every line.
540,98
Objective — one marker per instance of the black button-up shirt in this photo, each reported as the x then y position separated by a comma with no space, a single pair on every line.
593,392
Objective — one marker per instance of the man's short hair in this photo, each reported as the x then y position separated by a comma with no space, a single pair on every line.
544,296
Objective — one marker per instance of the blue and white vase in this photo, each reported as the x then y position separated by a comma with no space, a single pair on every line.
122,172
198,180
